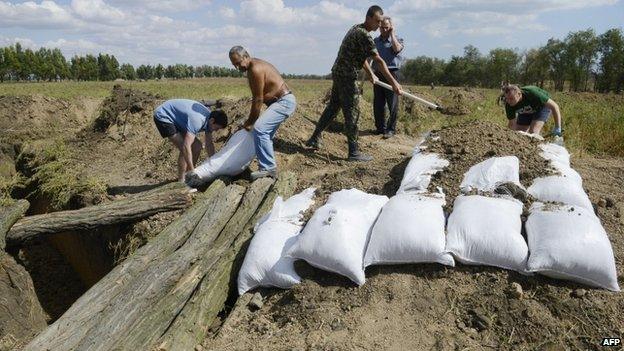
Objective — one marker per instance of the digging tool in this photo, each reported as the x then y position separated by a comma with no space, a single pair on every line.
413,97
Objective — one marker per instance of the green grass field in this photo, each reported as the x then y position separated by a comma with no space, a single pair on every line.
593,123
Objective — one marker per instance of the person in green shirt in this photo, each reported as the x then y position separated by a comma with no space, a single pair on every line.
529,107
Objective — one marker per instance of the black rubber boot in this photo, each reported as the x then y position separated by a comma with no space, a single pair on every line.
356,155
314,142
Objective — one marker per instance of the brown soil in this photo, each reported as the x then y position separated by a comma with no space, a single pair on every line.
400,307
426,306
469,143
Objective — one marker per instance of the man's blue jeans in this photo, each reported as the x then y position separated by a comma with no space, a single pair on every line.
266,126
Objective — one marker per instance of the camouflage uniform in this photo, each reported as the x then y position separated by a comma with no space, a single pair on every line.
356,47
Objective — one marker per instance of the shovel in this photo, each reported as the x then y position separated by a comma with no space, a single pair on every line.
413,97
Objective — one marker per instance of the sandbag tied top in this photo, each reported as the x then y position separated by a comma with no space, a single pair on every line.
560,189
410,229
265,263
419,170
559,159
556,154
232,159
569,242
334,239
487,231
486,175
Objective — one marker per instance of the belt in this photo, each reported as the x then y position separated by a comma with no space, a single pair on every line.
277,97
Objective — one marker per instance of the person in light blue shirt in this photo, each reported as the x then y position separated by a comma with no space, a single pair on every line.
389,47
181,121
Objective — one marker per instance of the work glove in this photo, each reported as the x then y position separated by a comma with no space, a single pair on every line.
556,131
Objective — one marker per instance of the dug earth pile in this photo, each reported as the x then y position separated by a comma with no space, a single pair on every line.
414,307
425,306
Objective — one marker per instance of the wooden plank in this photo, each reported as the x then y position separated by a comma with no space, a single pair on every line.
8,216
69,330
88,218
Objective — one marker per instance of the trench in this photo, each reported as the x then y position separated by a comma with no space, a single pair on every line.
63,266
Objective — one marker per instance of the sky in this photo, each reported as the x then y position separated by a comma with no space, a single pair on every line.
298,36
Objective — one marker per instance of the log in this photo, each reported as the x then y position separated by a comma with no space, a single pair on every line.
121,211
8,216
21,314
167,297
85,314
191,326
153,300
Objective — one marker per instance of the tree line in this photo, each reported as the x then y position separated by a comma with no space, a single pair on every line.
583,61
19,64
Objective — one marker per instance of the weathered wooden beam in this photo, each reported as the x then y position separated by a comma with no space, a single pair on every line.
121,211
153,300
190,327
8,216
21,315
86,313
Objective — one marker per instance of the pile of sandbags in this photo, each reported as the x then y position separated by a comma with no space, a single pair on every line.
566,239
354,229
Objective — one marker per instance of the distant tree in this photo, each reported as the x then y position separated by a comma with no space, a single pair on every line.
423,70
581,50
502,65
145,72
558,62
108,67
610,75
159,71
474,65
127,72
535,66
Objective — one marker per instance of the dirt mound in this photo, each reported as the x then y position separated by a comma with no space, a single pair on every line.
423,306
457,101
467,144
122,102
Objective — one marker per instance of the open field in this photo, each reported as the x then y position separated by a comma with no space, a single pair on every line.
76,144
593,123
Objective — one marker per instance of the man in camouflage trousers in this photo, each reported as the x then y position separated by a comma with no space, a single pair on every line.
357,46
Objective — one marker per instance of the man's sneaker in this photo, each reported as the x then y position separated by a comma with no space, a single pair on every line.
360,157
264,173
193,180
313,143
388,135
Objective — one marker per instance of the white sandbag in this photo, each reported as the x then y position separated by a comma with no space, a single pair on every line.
560,189
486,230
559,159
568,242
419,170
233,158
555,153
335,238
486,175
274,234
410,229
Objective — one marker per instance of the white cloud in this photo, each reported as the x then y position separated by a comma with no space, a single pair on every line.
160,6
24,42
227,12
46,14
441,18
276,12
98,11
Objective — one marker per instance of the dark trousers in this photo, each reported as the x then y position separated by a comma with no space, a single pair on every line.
383,96
345,96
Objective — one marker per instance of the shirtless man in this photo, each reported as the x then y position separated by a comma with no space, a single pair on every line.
267,87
